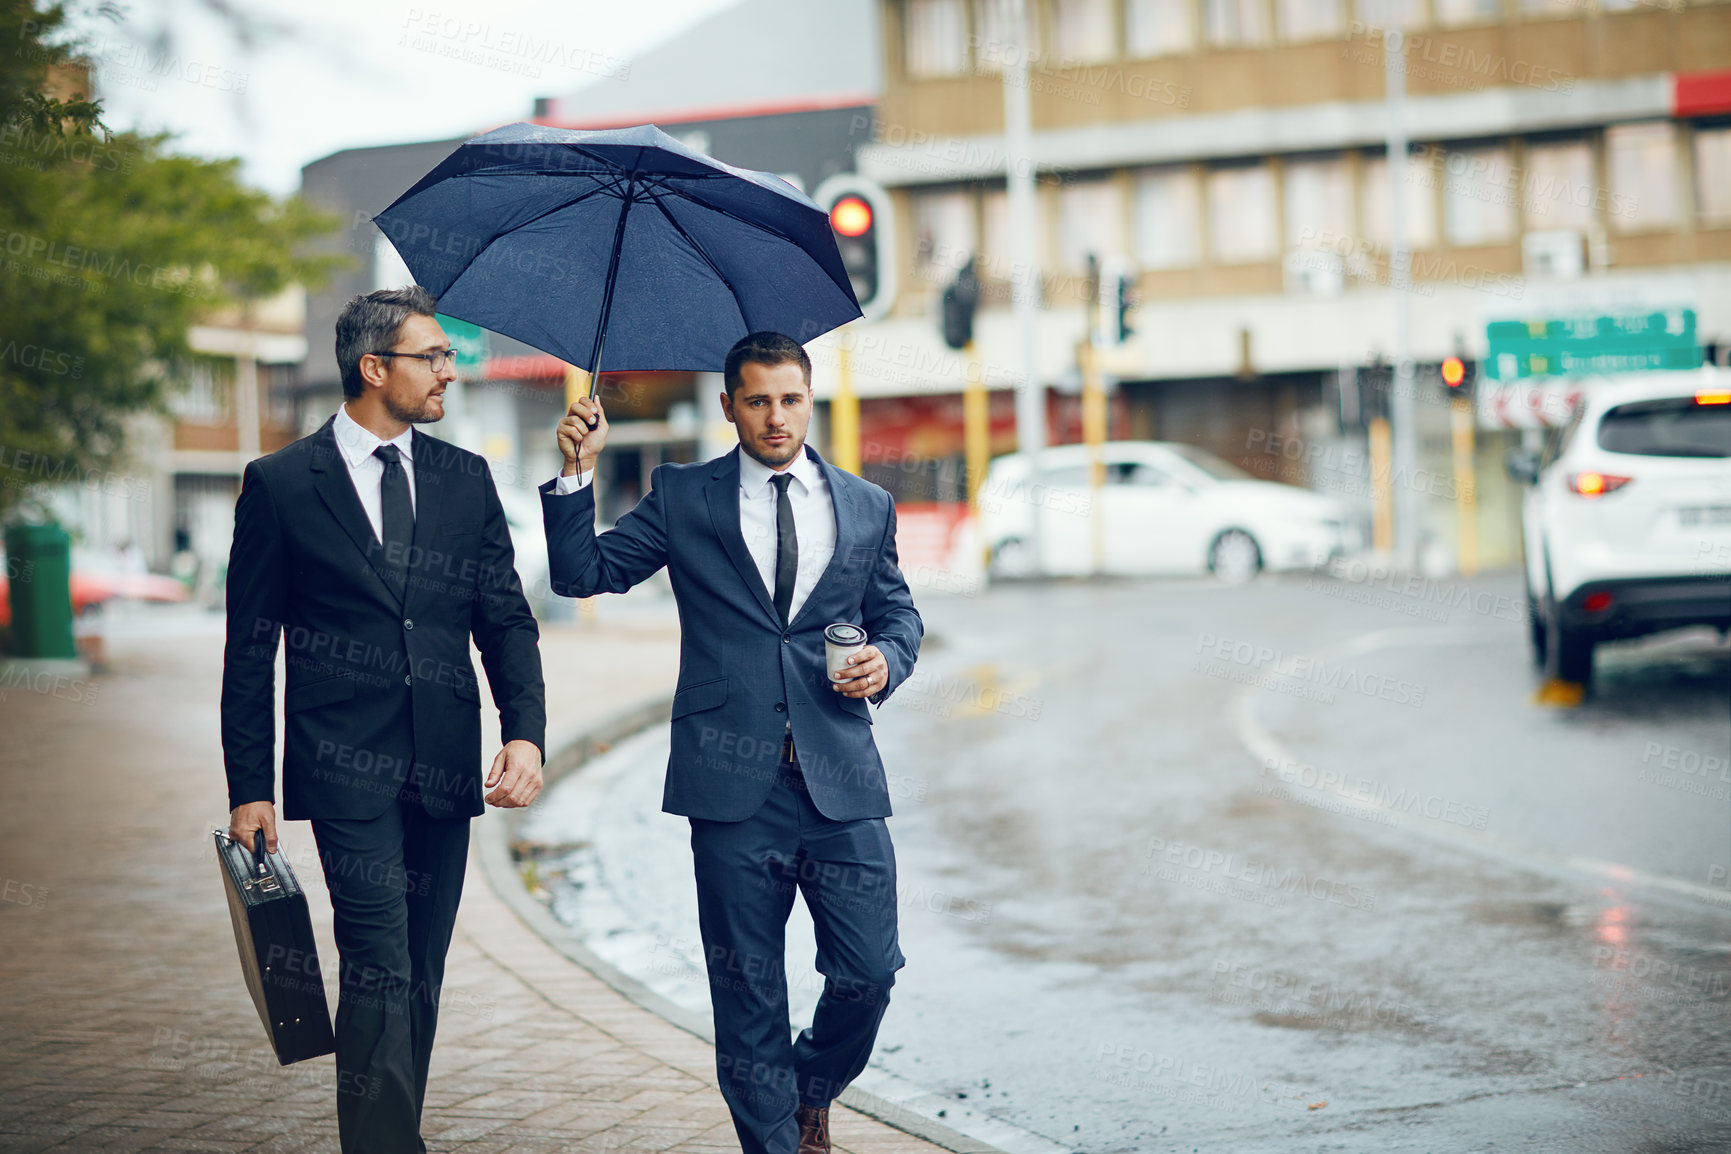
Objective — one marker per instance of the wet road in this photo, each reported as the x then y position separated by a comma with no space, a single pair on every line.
1297,866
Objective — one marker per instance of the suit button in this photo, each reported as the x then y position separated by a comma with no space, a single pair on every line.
406,680
408,624
780,708
785,639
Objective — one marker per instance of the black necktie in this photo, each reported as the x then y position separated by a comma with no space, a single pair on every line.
786,546
397,517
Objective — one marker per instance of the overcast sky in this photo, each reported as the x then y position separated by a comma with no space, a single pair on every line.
334,74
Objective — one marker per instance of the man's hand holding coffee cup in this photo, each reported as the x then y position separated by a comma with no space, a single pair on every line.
864,674
582,435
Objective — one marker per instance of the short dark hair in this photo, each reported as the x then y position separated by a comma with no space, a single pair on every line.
764,348
372,322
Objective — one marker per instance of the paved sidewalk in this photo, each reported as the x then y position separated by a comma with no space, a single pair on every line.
124,1024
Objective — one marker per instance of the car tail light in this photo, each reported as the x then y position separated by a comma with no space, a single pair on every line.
1713,395
1596,484
1596,602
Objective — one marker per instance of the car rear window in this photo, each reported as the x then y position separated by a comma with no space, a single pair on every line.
1673,427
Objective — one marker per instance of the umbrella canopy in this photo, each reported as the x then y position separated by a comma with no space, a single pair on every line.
622,245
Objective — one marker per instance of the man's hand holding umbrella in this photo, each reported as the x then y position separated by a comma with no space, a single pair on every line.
582,435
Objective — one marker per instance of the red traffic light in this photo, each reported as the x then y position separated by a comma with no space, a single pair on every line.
851,216
1454,371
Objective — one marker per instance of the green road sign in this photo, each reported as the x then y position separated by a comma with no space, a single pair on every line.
1586,345
469,341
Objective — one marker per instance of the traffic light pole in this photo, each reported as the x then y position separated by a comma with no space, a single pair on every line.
1400,407
1024,271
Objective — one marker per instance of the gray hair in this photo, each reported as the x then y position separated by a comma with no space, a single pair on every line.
372,323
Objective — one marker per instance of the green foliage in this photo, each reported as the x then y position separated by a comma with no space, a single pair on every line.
111,248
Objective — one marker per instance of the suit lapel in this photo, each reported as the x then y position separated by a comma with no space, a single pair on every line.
337,491
722,492
847,525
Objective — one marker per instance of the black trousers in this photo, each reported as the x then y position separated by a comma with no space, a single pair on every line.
747,874
395,881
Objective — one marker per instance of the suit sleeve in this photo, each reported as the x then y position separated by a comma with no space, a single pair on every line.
256,594
582,563
891,621
506,633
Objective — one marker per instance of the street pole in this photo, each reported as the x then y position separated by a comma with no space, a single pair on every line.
1466,484
844,443
976,435
1094,436
1400,408
1024,257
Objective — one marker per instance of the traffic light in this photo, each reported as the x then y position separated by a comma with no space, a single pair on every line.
1117,289
861,217
1124,293
960,300
1458,374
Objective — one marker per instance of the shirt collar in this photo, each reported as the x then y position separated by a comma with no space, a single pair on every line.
357,442
754,475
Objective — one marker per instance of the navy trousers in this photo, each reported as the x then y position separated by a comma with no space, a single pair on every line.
395,881
747,874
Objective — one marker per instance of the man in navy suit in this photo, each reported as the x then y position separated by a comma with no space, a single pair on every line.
773,761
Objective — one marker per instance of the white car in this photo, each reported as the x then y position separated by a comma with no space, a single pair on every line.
1164,508
1627,526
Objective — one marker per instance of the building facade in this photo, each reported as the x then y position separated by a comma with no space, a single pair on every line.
1229,156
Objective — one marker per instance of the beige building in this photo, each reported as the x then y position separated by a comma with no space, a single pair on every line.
1229,156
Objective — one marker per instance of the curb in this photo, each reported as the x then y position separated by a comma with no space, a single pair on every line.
493,841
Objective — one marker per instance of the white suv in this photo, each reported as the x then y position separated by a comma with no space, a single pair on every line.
1627,525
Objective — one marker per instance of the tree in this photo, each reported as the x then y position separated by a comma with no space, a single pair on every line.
111,248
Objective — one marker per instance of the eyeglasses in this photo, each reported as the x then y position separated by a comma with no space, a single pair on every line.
437,360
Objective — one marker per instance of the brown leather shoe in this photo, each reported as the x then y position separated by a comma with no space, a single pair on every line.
813,1129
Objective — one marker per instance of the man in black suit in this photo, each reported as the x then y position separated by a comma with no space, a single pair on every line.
375,552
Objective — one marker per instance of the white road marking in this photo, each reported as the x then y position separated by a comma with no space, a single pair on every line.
1266,748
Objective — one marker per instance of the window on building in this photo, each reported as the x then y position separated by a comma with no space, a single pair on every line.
1158,27
205,395
1318,204
1418,204
1557,189
1391,13
1641,163
1083,30
1468,11
1168,218
1713,175
991,39
1309,19
936,38
1242,221
1236,23
1479,196
1090,220
943,233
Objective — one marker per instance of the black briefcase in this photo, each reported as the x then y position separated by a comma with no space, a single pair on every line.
277,954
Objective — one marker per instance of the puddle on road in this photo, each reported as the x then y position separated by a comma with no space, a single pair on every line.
1547,915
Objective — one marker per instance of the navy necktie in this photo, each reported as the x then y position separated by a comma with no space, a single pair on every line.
397,518
786,547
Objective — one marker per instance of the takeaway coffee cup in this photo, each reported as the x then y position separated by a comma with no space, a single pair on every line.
841,641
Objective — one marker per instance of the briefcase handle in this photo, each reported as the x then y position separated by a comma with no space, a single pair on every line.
259,865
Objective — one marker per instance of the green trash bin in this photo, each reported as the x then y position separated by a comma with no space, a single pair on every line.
39,586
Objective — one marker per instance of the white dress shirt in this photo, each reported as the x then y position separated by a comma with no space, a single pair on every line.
813,519
366,471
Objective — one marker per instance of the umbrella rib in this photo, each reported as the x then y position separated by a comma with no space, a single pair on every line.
476,255
729,213
699,250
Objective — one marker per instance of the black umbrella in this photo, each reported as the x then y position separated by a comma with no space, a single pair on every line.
624,240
